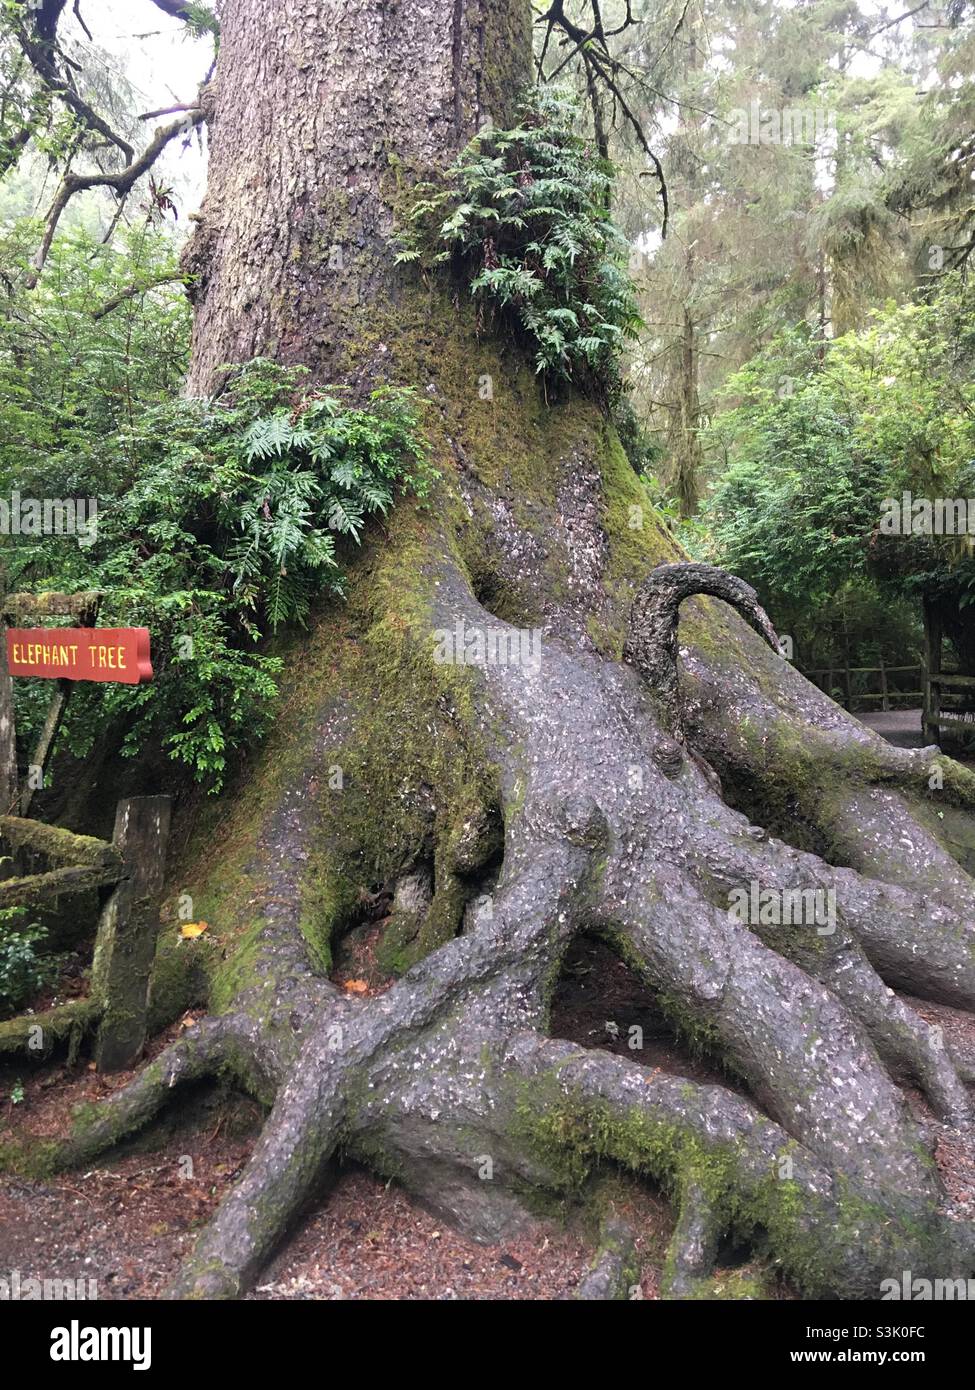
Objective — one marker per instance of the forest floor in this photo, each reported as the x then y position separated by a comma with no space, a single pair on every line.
128,1222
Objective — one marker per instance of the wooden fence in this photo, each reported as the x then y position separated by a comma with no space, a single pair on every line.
130,869
935,687
838,682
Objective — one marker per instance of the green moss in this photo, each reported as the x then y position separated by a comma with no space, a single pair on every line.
39,1158
240,972
745,1284
67,1023
328,899
180,978
638,538
370,1149
811,1236
59,846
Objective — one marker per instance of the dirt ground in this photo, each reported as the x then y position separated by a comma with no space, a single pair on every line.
127,1222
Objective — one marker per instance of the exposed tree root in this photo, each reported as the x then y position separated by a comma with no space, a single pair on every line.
615,1272
652,642
694,1246
741,1172
447,1080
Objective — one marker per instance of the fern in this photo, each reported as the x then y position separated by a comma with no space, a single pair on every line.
522,215
241,513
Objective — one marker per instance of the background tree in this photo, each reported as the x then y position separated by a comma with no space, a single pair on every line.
815,471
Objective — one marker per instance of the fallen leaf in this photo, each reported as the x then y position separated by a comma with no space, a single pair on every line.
189,931
356,986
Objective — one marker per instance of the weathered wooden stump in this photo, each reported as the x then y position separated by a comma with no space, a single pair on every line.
126,943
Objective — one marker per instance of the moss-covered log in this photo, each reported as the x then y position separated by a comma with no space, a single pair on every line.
23,608
35,1036
60,846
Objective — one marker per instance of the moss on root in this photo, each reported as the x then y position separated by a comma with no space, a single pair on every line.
572,1136
35,1036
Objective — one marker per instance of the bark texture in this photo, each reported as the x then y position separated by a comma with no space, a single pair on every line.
627,784
321,114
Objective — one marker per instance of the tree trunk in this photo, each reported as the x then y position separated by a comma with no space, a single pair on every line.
322,115
683,439
508,806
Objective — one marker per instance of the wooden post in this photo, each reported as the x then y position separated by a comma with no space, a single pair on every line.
126,942
8,727
931,711
8,732
84,609
884,700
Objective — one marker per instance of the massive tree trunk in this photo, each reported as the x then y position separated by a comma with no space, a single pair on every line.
626,785
322,116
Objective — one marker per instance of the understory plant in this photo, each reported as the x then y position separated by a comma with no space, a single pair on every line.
523,216
23,971
229,517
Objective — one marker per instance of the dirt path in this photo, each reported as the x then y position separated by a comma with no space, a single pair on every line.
901,727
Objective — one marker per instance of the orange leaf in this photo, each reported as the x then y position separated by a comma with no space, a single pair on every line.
356,986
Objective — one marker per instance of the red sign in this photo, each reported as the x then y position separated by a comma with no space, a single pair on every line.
80,653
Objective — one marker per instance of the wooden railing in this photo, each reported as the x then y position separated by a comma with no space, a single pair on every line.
936,717
839,684
132,866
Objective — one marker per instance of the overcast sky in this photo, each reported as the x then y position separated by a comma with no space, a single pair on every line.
162,64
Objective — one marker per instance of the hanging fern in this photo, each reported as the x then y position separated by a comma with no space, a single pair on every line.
321,470
523,216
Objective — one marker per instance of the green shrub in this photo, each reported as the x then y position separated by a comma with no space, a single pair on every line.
230,516
23,972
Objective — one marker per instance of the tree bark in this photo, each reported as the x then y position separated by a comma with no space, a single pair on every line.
627,783
321,116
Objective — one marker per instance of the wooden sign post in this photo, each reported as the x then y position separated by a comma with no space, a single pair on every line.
65,655
126,944
8,731
8,737
126,940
